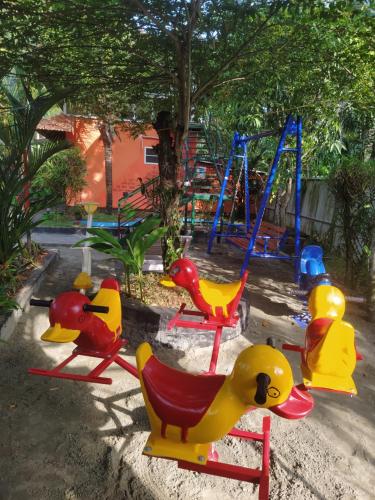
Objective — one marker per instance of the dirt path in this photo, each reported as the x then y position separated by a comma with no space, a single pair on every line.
68,440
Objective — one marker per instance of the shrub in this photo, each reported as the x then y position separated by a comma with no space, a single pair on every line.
353,183
63,174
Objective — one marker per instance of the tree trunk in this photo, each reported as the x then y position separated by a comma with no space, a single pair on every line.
281,203
371,295
105,133
285,202
26,195
276,213
169,190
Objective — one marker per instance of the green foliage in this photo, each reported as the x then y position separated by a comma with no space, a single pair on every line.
249,63
131,249
8,286
6,303
9,276
20,161
353,183
63,175
323,72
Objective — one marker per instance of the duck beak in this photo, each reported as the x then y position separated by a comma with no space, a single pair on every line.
57,334
166,281
298,405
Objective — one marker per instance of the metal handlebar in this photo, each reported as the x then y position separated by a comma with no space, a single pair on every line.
263,381
96,309
40,303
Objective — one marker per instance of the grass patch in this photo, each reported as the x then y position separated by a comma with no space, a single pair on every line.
57,219
69,218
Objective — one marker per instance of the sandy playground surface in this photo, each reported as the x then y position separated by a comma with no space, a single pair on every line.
65,440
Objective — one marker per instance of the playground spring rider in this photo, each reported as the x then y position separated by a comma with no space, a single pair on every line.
188,413
95,326
254,238
217,302
329,356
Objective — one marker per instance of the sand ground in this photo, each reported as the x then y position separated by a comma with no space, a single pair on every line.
70,440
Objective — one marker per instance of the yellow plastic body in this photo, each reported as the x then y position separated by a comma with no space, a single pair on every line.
82,282
331,363
113,319
326,301
218,294
61,335
234,398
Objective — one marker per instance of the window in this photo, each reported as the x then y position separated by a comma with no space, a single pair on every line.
151,156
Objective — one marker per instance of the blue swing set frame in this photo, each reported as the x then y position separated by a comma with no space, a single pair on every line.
239,148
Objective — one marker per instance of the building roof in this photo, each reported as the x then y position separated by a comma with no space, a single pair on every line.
57,123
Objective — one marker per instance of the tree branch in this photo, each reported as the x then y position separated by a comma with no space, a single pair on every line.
154,18
211,81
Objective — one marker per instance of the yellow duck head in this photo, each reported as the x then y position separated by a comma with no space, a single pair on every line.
262,377
326,301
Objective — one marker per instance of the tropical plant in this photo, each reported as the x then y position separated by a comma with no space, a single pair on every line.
130,250
6,303
20,160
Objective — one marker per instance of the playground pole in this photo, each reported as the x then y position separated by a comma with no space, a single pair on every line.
247,192
267,192
222,193
297,222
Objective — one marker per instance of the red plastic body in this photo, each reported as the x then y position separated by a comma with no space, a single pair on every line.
95,335
189,279
166,398
299,404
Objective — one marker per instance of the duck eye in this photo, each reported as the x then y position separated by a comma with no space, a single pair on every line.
273,392
174,271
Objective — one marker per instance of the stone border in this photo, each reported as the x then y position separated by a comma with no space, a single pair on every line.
59,230
9,323
149,324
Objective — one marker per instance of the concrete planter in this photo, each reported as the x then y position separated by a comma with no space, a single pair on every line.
9,322
149,323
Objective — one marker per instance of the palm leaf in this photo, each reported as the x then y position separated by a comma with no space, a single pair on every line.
146,227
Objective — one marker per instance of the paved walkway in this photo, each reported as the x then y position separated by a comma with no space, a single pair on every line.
56,239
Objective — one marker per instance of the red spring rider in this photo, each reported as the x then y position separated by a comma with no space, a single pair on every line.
94,326
217,302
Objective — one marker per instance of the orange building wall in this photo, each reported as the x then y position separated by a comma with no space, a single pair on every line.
127,160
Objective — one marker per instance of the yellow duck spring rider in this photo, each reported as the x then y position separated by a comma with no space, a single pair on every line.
329,356
189,412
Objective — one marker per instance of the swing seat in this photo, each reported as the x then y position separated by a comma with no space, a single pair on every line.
270,239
